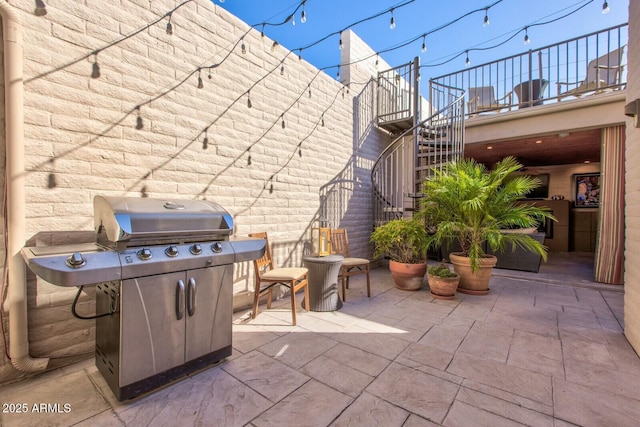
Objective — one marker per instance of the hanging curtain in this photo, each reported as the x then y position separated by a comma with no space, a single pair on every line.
609,257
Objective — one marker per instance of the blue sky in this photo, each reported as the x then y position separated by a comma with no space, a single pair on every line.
418,17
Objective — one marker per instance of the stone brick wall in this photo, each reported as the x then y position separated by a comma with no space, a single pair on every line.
143,128
632,192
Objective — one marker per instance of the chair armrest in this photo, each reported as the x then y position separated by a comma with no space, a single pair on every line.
507,96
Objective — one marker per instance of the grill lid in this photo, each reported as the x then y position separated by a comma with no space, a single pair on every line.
131,219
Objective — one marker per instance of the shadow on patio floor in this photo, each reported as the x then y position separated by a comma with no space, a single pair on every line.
534,352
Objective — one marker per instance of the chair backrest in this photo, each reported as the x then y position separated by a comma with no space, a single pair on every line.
610,71
480,98
265,260
339,242
485,94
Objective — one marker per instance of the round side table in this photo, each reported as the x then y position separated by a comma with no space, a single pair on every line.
323,281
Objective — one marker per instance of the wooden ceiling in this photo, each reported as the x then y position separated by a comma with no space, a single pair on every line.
542,150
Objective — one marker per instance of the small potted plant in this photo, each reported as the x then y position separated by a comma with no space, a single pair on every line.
404,241
443,282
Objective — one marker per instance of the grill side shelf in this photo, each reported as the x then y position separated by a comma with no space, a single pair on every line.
99,266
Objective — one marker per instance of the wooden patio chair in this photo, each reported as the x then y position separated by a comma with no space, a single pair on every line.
350,266
602,73
482,99
267,276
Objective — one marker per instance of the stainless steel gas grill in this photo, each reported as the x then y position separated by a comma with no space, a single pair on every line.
164,276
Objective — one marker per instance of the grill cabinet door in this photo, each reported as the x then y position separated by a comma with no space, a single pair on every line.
209,319
152,335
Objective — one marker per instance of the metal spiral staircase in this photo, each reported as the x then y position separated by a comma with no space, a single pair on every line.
419,144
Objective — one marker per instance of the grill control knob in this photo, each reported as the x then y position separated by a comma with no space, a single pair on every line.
195,249
171,251
76,260
216,247
144,254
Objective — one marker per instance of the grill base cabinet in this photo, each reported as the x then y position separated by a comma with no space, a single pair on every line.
164,327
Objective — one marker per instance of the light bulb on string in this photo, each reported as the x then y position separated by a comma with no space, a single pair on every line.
340,45
424,44
322,120
243,47
377,60
41,8
303,15
338,74
209,75
262,31
527,40
95,68
293,20
139,124
200,84
309,90
169,26
605,8
300,55
283,125
486,18
467,62
392,23
282,70
249,104
274,45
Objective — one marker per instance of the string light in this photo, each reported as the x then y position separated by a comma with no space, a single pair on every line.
139,124
274,45
243,47
467,62
262,31
283,125
486,18
338,74
309,90
527,40
169,26
249,104
299,54
209,75
282,70
605,8
41,8
340,45
200,84
205,141
424,44
377,60
293,20
95,68
303,14
322,120
392,23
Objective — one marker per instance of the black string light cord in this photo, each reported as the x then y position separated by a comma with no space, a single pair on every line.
511,37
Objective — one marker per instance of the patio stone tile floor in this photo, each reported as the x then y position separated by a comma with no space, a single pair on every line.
543,349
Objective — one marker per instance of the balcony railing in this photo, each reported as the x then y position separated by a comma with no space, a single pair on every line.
591,64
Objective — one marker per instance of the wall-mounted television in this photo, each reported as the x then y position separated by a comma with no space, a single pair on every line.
541,192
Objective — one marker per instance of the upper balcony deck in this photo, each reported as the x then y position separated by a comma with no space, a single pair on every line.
573,69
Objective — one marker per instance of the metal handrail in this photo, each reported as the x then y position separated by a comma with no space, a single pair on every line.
590,64
394,177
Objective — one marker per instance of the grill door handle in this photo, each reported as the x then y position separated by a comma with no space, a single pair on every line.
191,296
180,300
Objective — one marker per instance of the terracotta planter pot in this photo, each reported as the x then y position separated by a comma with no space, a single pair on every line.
473,283
408,277
443,287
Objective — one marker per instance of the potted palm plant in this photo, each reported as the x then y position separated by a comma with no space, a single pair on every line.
442,281
473,205
404,241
